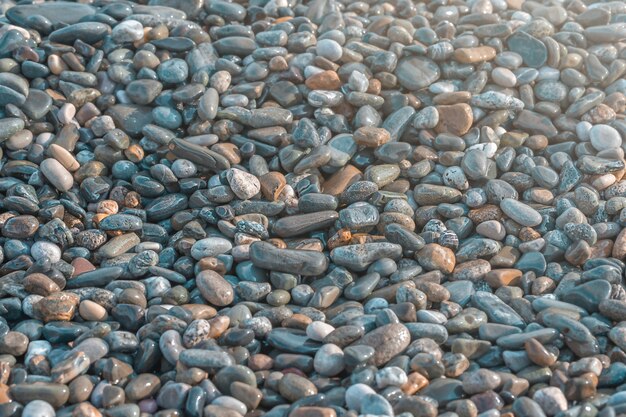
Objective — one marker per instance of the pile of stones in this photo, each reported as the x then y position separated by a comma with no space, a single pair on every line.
322,208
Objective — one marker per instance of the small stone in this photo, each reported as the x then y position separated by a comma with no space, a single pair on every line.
243,184
328,360
455,119
551,400
434,257
388,341
604,137
214,288
57,174
520,212
127,31
329,49
38,408
294,387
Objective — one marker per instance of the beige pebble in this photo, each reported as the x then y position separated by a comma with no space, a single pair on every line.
91,311
66,113
64,157
57,174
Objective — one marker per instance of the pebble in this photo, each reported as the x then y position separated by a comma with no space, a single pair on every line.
38,408
328,361
520,212
388,341
243,184
604,137
127,31
329,49
57,174
312,209
214,288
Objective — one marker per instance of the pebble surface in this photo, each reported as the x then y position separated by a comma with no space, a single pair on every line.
312,208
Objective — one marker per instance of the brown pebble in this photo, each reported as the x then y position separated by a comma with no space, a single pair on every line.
415,382
313,412
474,55
247,394
341,180
436,257
455,119
91,311
59,306
80,389
326,80
214,288
85,409
81,265
538,353
503,277
260,362
272,185
219,324
371,137
40,284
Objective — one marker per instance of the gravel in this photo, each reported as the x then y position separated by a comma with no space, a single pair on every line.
312,209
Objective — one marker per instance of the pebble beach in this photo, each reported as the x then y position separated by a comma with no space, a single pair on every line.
312,208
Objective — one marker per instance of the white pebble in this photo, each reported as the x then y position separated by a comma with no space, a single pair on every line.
231,403
43,249
582,130
329,49
243,184
328,361
318,330
604,137
504,77
127,31
551,400
355,394
390,376
38,408
66,113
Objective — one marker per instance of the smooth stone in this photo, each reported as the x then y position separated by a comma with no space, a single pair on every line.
127,31
130,118
37,104
533,51
415,73
243,184
589,295
292,341
214,288
54,394
143,91
235,45
520,212
43,249
297,225
56,12
329,360
496,309
301,262
604,137
206,359
38,408
57,174
9,127
359,257
142,386
89,32
389,341
210,247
